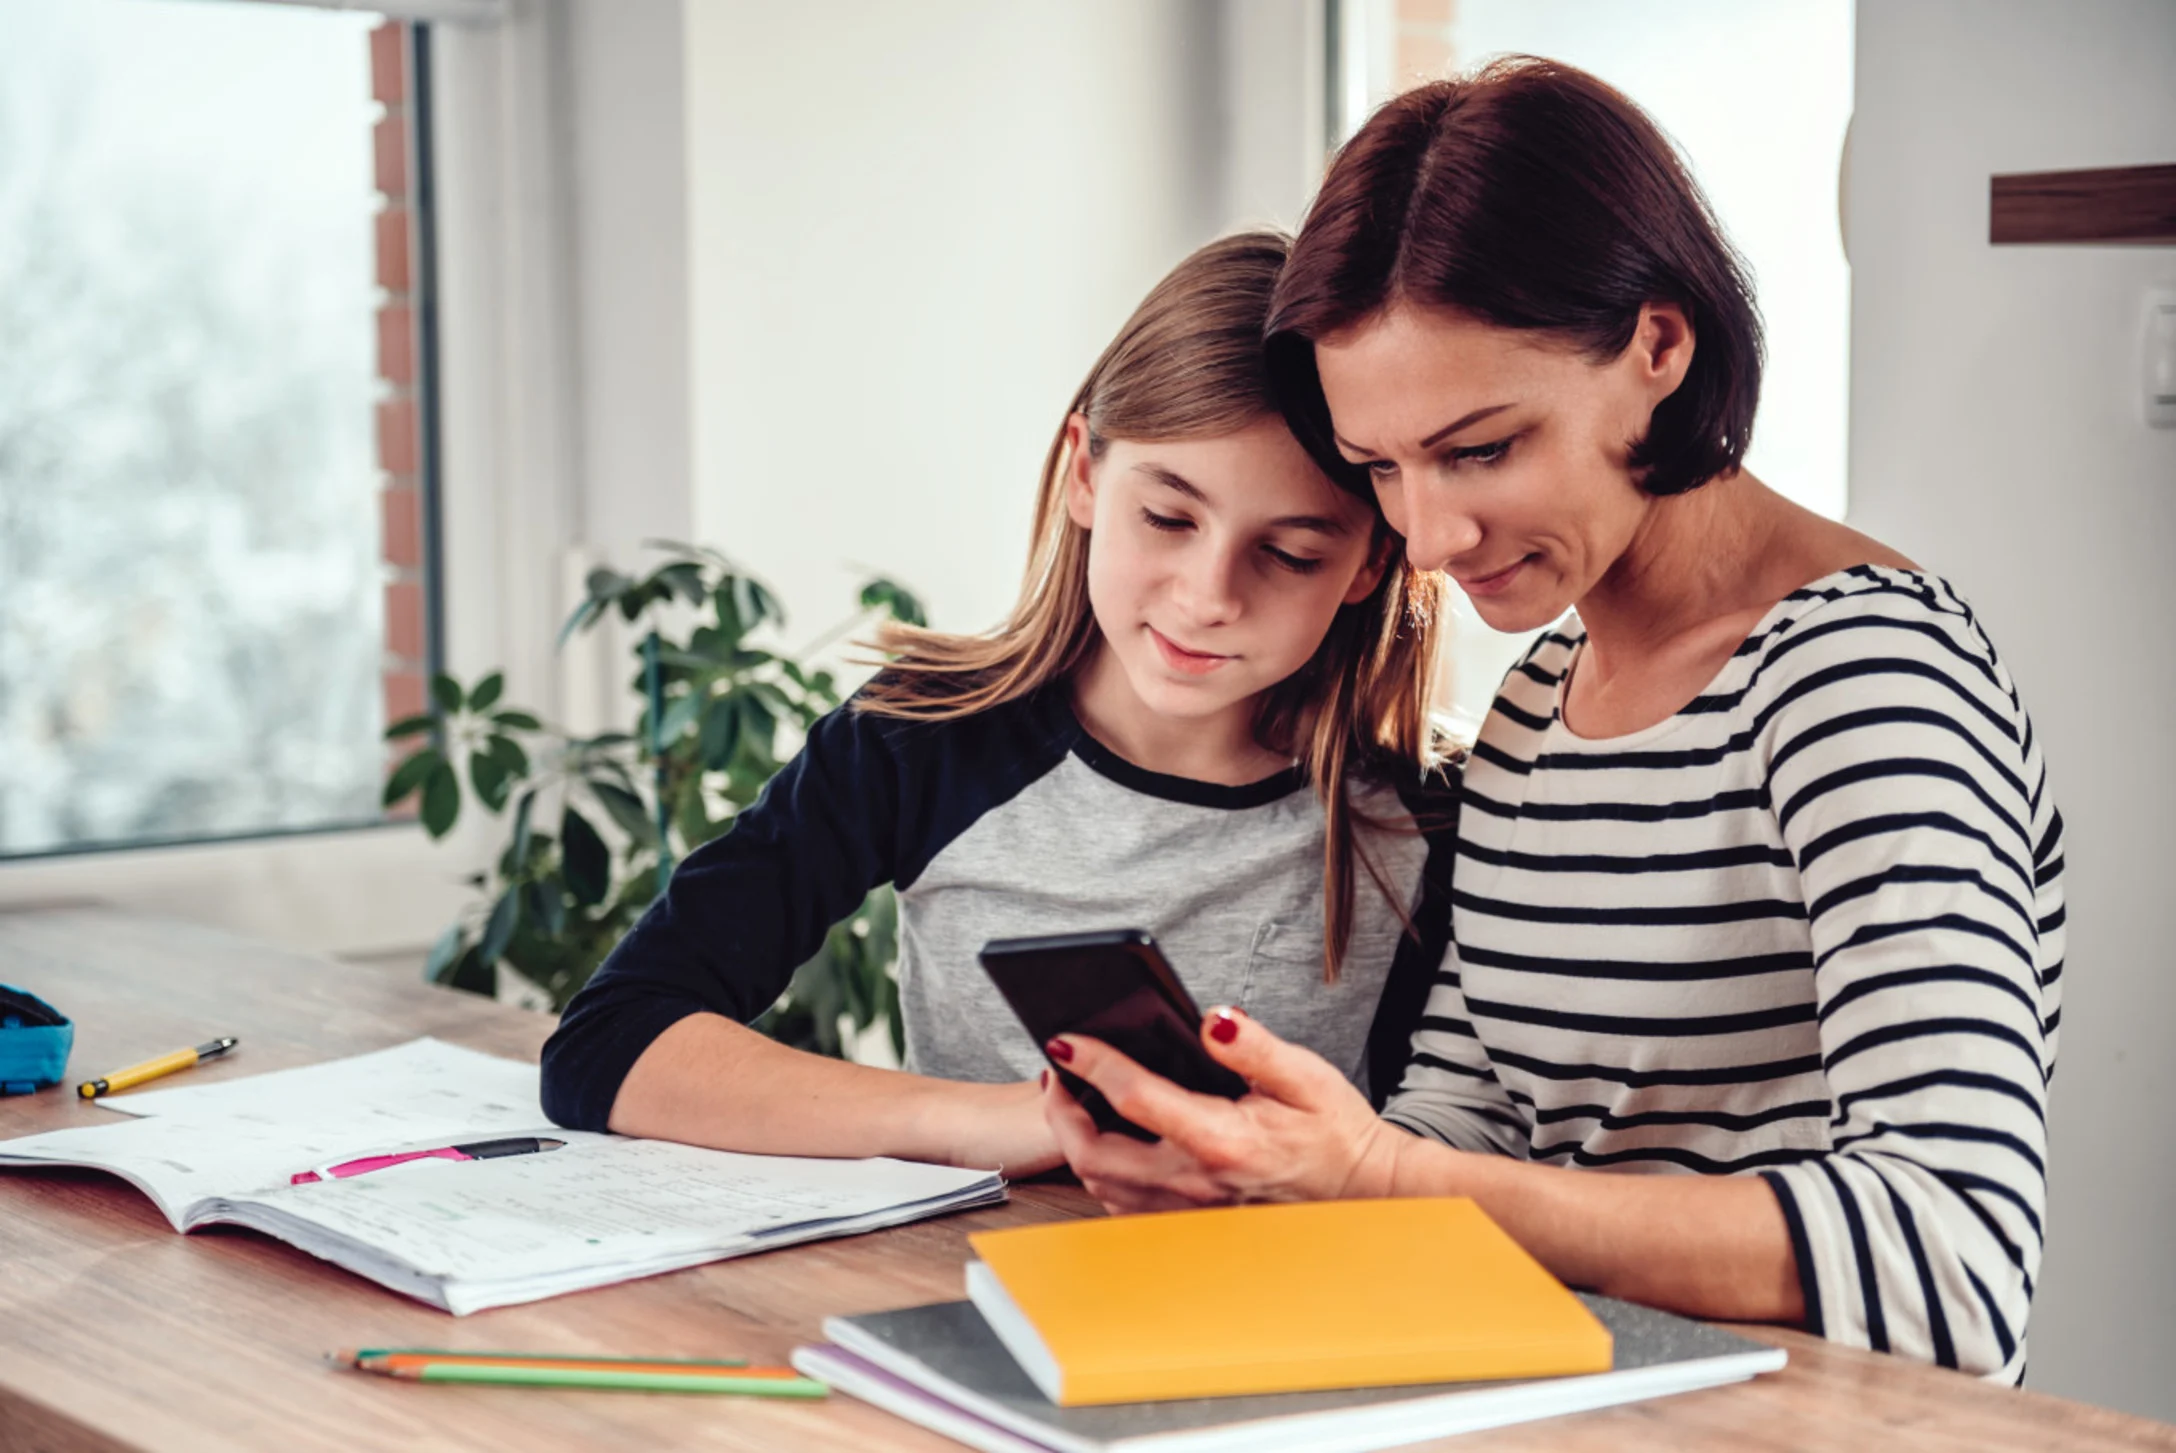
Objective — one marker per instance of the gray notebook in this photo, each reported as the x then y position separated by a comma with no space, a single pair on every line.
941,1366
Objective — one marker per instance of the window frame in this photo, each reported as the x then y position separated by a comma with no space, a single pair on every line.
500,456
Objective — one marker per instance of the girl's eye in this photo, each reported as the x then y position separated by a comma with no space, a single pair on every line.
1170,523
1482,454
1297,564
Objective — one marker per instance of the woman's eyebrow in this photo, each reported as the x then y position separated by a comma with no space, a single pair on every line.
1463,422
1173,480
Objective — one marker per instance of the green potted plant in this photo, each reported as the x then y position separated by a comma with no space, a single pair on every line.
595,823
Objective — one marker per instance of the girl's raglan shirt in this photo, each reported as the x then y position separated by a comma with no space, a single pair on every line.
1011,822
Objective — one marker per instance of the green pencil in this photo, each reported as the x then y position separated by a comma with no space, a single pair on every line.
544,1376
473,1354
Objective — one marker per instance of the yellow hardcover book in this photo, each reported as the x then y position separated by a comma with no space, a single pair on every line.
1256,1299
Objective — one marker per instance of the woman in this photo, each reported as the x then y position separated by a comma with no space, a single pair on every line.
1212,661
1758,884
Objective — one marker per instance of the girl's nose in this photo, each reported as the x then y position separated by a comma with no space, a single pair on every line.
1208,589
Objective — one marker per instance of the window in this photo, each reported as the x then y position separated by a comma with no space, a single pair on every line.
212,509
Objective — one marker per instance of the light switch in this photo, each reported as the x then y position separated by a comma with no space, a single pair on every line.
2157,359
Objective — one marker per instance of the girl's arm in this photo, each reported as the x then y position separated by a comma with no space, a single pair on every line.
710,1081
655,1045
1701,1245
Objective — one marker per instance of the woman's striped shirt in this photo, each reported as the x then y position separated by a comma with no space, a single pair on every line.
1810,927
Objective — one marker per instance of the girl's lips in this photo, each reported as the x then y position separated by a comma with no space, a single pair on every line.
1178,658
1495,584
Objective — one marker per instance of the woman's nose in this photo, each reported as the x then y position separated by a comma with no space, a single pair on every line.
1436,531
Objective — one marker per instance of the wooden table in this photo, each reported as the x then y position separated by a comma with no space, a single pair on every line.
115,1333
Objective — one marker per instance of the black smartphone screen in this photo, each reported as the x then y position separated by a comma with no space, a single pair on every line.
1114,986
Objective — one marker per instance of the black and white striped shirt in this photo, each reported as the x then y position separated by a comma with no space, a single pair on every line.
1810,927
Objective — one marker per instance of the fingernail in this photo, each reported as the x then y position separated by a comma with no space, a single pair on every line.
1223,1028
1060,1051
1043,1080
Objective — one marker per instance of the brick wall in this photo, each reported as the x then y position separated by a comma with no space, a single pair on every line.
1423,46
400,495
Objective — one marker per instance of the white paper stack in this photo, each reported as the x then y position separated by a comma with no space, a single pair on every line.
466,1235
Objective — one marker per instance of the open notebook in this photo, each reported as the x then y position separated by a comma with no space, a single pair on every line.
466,1235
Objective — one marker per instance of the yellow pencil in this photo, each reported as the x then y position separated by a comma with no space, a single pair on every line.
151,1069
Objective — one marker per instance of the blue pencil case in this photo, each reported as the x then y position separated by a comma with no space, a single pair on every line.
34,1042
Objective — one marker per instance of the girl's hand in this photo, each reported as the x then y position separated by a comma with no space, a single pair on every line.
1003,1128
1302,1134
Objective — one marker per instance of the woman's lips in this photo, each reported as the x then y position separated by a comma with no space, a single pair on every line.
1178,658
1495,584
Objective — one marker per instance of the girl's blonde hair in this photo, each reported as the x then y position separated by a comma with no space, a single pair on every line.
1189,365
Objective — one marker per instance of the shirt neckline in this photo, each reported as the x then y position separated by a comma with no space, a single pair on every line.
1190,791
1768,621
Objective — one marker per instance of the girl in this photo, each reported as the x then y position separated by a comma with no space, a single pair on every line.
1760,884
1208,626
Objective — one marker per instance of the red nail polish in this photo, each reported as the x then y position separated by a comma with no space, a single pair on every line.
1060,1051
1043,1080
1223,1028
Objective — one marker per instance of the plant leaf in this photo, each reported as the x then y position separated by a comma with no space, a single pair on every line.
409,726
545,904
499,928
584,616
605,584
721,734
686,579
509,754
487,691
520,721
748,601
443,953
626,809
473,975
441,799
889,595
409,775
730,626
679,716
446,692
758,723
488,775
588,866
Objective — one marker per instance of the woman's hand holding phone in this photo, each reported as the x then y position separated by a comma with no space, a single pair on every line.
1302,1133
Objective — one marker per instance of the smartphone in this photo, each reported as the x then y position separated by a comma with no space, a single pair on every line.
1114,986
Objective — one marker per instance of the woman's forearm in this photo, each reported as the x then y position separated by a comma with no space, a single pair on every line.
1705,1246
710,1081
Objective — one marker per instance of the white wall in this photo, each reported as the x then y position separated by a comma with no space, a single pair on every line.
912,230
1996,439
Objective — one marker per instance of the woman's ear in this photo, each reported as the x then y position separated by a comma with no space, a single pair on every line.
1380,555
1080,482
1662,345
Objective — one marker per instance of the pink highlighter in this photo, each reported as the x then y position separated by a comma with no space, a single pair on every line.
478,1150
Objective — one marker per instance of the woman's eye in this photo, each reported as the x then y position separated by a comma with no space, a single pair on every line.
1382,471
1297,564
1171,523
1481,454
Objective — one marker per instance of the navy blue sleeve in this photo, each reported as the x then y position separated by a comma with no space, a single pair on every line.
1434,806
741,914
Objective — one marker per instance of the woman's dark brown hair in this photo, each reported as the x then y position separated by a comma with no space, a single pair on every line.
1529,195
1188,365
